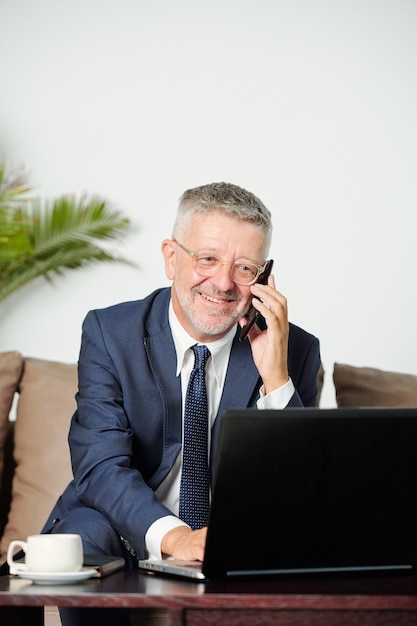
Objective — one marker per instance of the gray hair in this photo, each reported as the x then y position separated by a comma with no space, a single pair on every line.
229,199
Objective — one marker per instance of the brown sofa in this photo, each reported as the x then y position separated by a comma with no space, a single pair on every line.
37,400
34,456
368,386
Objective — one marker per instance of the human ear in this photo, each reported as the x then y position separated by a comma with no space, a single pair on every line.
168,252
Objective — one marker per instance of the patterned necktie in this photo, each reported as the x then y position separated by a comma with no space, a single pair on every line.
195,477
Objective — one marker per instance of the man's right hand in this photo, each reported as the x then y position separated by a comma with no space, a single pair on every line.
184,544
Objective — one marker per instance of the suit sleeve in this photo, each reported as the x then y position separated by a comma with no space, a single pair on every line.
101,443
304,364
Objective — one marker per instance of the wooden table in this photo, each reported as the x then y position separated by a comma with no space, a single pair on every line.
372,600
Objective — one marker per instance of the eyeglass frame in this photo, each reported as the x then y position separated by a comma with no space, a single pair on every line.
193,255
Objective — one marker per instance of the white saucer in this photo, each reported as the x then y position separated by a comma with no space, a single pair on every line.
57,578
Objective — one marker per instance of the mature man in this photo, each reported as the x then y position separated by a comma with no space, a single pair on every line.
135,362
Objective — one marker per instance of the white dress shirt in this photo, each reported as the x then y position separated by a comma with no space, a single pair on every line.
216,368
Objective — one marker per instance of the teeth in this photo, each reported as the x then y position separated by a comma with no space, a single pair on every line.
214,299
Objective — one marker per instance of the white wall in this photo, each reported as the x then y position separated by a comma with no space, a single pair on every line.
309,104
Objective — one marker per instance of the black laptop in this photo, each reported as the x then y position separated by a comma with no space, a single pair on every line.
310,491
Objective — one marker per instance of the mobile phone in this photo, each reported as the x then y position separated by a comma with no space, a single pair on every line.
253,314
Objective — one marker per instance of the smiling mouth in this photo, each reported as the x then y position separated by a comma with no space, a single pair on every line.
224,300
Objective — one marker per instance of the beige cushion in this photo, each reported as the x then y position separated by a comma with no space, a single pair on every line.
367,386
11,365
41,451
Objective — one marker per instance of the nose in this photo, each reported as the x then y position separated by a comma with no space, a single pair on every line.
222,279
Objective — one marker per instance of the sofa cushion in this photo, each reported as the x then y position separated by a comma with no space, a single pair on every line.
11,366
367,386
41,452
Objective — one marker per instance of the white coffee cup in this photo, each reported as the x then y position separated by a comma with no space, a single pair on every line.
47,553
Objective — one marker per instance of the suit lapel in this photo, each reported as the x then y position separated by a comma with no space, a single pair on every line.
241,384
163,360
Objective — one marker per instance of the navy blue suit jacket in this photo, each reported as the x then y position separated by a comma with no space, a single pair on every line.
126,432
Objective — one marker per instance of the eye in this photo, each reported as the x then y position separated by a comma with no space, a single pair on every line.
246,270
207,260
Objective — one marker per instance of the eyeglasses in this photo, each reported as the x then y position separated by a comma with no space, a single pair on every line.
206,264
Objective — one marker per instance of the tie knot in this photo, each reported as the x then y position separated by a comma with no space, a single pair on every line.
201,354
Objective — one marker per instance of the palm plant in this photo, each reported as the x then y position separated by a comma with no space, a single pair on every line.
44,238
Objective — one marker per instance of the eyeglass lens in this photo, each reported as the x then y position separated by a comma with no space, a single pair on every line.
243,273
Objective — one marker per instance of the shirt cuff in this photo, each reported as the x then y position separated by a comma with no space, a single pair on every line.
277,399
156,531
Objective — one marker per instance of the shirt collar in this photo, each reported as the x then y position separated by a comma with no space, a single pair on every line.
219,349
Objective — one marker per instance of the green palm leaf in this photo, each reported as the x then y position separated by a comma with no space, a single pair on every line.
43,239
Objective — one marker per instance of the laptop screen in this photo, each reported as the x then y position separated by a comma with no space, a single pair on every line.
313,489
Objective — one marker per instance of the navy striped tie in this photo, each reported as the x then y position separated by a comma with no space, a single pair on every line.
195,477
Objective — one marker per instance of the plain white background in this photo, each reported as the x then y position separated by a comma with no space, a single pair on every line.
309,104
